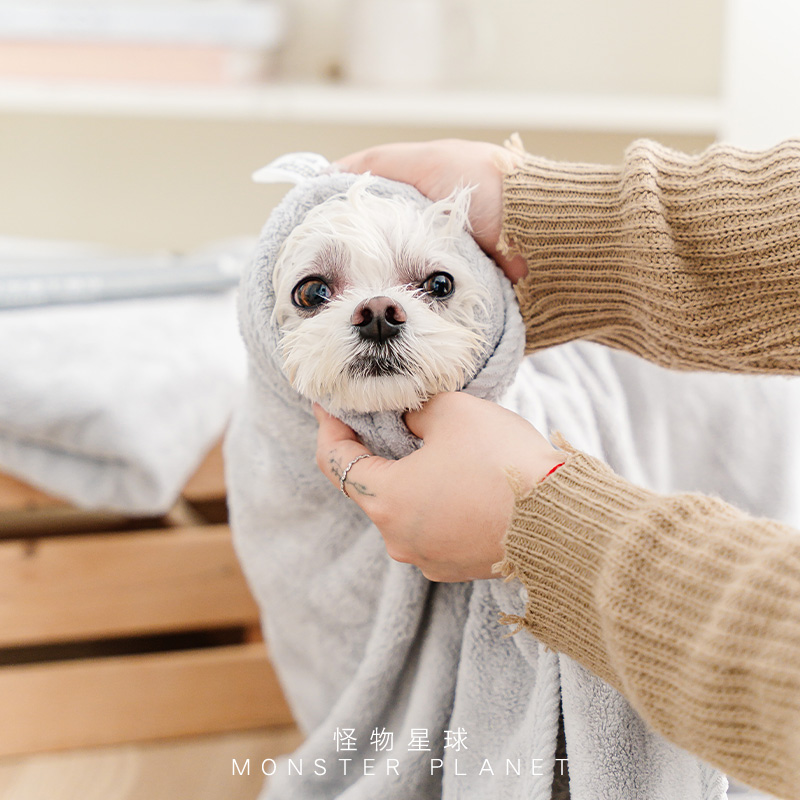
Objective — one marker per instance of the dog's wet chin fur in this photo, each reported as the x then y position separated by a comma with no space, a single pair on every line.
377,258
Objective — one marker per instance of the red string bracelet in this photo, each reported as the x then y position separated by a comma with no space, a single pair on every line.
552,471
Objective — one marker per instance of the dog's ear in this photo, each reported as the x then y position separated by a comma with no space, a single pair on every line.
293,168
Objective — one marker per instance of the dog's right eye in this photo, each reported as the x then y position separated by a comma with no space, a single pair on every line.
311,293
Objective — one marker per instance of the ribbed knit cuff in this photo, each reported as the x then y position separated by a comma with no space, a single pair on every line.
564,219
556,546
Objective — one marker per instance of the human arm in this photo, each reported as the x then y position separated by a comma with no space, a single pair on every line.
692,262
688,606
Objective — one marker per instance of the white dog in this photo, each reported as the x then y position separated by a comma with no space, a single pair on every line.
377,309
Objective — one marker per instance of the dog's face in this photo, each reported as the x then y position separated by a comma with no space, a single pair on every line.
377,310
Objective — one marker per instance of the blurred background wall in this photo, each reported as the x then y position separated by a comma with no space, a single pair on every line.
167,166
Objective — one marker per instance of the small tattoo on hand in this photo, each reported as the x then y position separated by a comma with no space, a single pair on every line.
360,488
336,469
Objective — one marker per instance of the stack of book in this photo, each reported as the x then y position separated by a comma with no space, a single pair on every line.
174,41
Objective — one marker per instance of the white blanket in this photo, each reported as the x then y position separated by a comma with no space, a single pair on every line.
114,404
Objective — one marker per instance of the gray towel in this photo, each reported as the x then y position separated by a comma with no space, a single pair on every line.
114,404
364,644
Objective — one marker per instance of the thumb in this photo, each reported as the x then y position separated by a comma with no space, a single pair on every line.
338,447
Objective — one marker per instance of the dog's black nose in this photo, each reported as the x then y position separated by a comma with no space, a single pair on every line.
378,319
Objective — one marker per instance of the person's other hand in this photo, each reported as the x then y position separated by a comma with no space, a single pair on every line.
437,168
444,507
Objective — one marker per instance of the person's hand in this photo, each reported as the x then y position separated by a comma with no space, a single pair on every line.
446,506
437,168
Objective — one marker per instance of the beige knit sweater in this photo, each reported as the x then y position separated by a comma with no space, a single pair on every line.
687,605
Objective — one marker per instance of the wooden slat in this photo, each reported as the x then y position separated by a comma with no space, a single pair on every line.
18,496
94,586
189,768
208,483
134,698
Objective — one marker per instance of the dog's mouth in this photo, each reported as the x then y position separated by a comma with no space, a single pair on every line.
382,365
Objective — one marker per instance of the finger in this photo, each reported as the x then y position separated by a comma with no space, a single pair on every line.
355,162
337,447
514,268
393,161
334,428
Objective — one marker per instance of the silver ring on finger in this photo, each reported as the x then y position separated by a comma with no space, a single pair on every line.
343,476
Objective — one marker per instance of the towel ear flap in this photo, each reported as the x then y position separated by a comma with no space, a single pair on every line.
293,168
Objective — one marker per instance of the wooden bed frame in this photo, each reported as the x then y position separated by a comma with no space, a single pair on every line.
116,630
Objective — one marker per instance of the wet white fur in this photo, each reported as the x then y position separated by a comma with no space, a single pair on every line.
441,341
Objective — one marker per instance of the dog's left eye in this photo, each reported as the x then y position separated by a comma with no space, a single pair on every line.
439,285
311,293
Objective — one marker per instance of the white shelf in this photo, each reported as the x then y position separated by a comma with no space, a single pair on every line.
349,105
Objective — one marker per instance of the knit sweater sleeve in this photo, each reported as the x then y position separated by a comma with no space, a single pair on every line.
689,261
687,606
